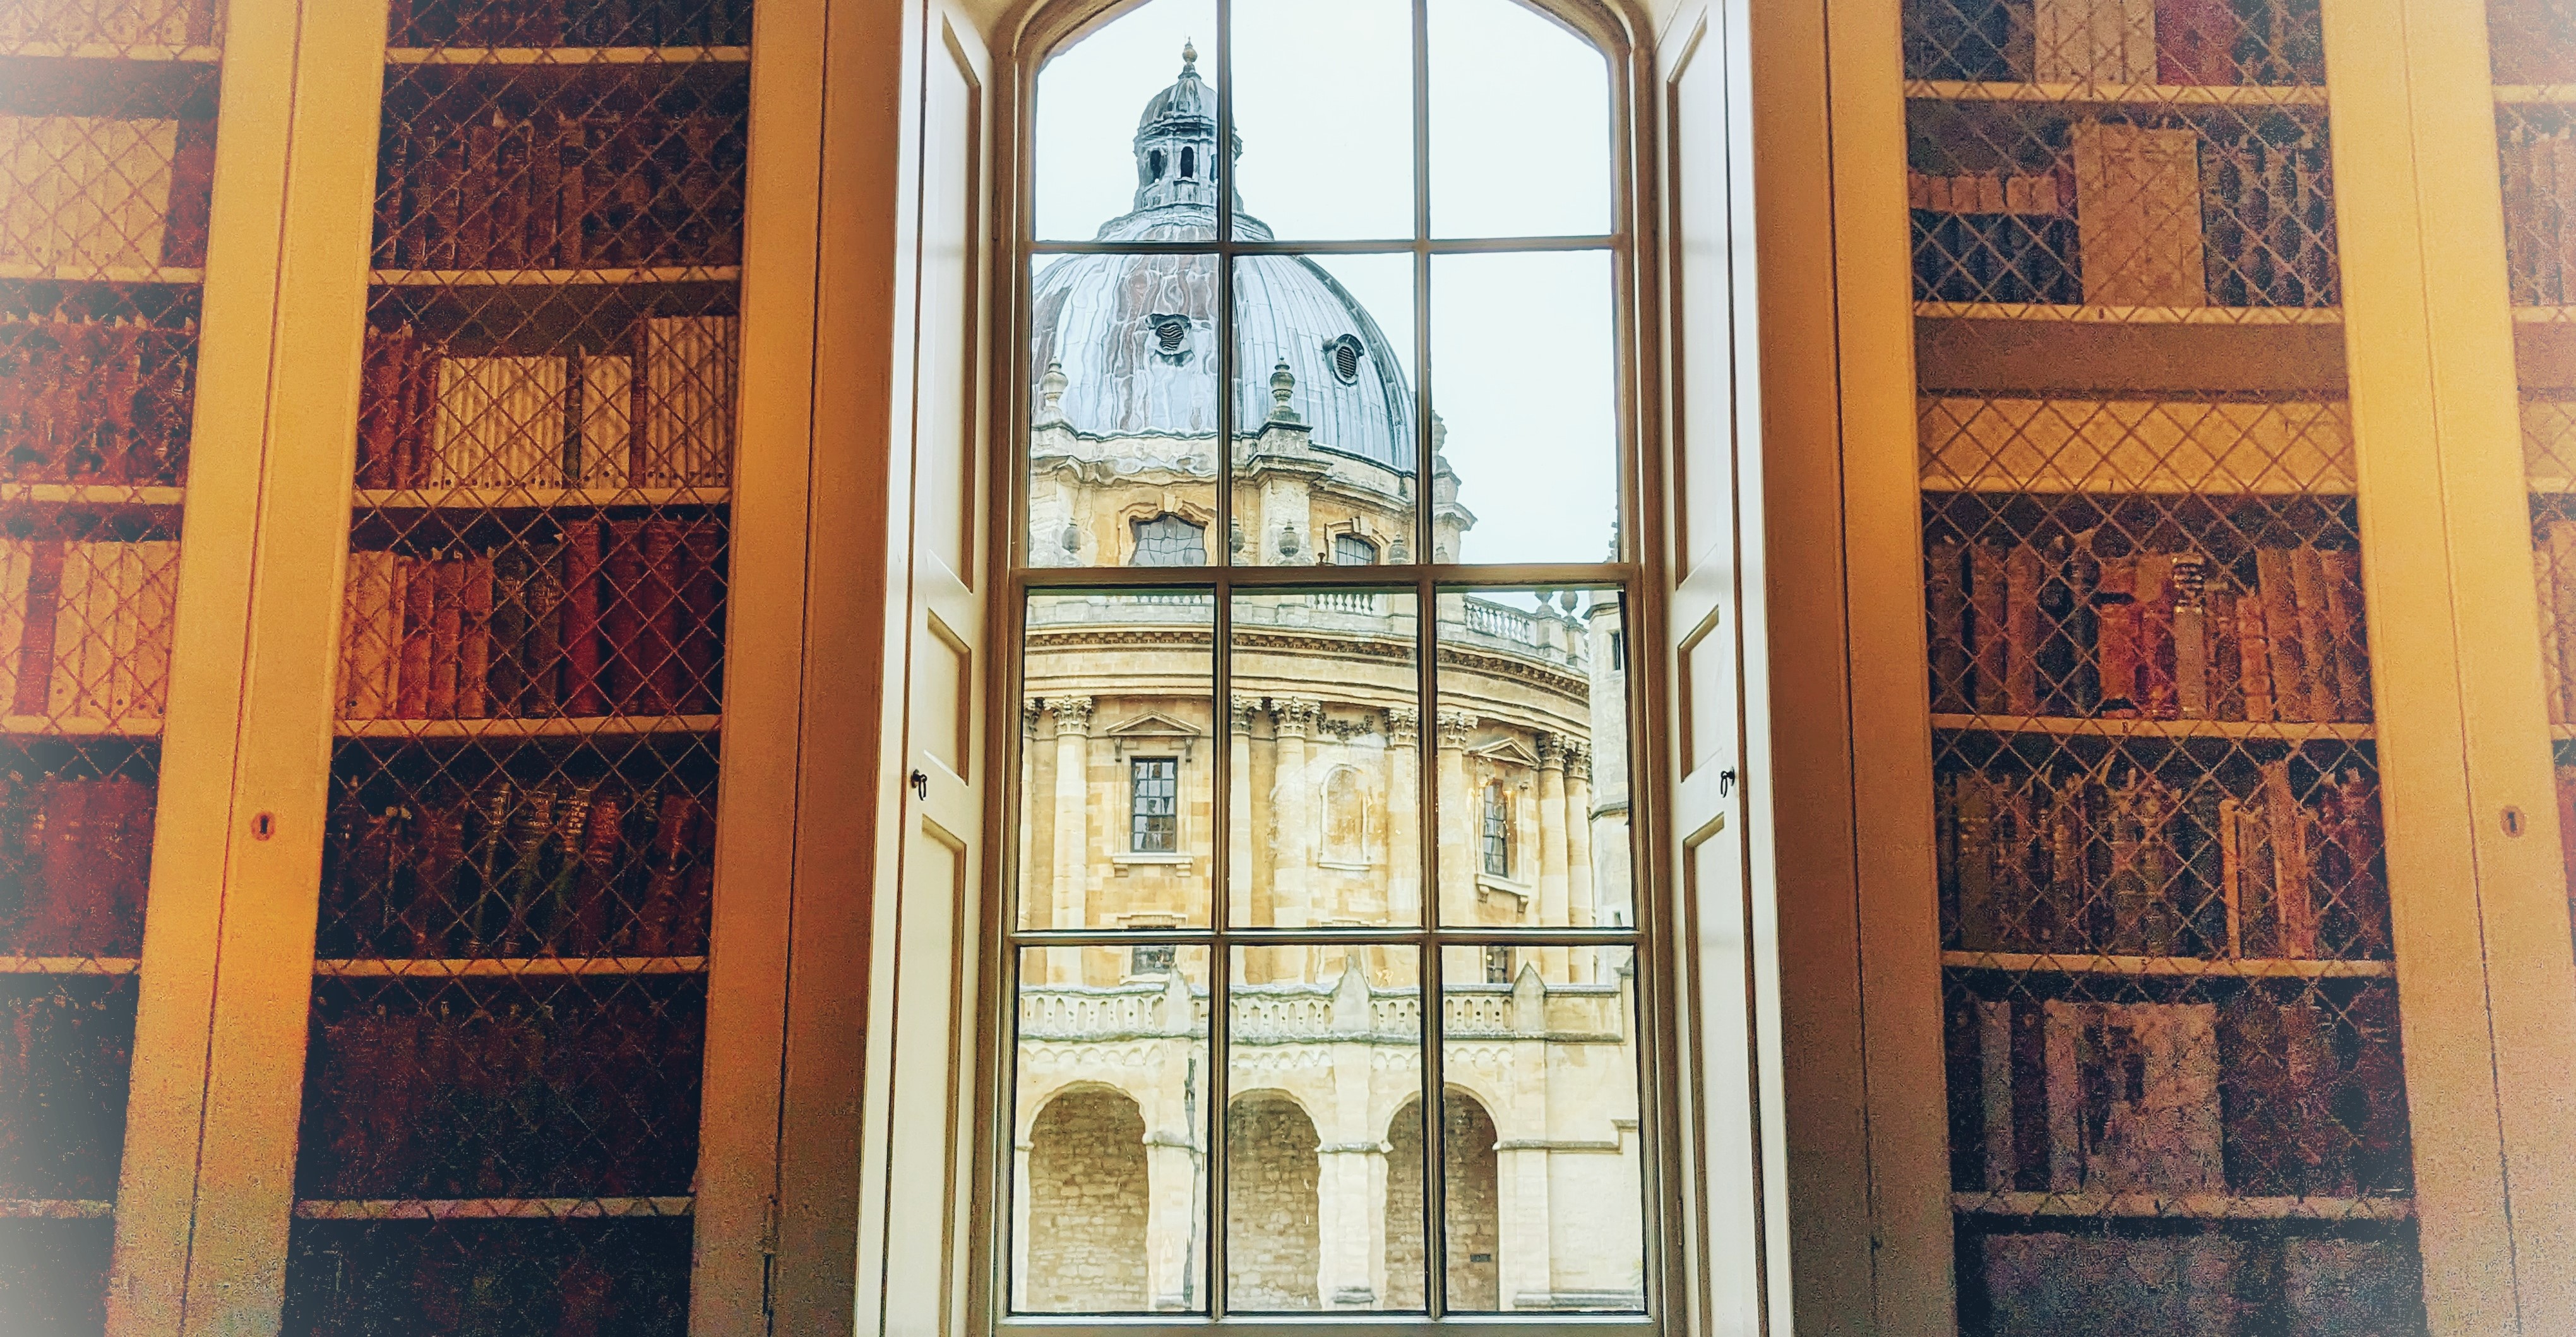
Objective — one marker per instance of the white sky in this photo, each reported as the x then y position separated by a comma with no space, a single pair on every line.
1522,349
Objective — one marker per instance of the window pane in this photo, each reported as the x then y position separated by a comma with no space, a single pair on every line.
1117,780
1325,408
1325,816
1520,124
1525,432
1325,1077
1532,763
1110,1180
1544,1196
1123,405
1097,137
1323,92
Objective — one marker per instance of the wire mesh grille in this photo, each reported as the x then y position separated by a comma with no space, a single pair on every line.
502,1091
107,138
2174,1080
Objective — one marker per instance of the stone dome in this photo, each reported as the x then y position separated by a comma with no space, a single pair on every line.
1134,335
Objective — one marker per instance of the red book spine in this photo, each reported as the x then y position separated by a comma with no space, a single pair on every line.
446,634
581,685
621,615
380,406
2116,631
192,191
2156,650
2196,42
116,373
412,670
702,618
64,916
419,413
126,859
36,649
474,645
658,628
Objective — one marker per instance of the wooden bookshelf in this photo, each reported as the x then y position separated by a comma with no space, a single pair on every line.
90,494
69,965
59,726
535,499
552,278
2182,1206
56,1209
569,56
552,726
2130,315
532,967
488,1209
2155,95
161,274
2171,967
2261,730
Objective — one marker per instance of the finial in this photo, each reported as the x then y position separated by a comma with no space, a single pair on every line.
1189,56
1051,395
1283,384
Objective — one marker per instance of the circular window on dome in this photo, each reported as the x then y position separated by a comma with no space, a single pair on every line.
1344,354
1172,335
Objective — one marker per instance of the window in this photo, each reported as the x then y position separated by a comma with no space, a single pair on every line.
1169,540
1293,1000
1153,788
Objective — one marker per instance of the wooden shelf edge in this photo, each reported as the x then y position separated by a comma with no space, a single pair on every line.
488,1209
2279,731
2163,95
55,1209
2170,967
2535,94
2179,1206
570,57
47,726
2544,315
2131,315
69,965
91,494
532,499
103,274
148,53
551,278
609,726
1992,485
417,967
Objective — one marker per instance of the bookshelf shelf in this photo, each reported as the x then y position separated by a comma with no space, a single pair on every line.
2181,1206
163,53
2131,315
487,1209
2536,95
69,965
2271,730
2544,315
2158,95
549,278
533,499
54,726
548,727
2179,967
90,494
2166,485
571,57
169,274
506,967
55,1209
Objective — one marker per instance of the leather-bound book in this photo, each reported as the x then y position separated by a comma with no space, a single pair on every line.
545,190
36,637
2283,635
702,617
574,139
2366,897
2562,561
1978,920
2022,580
474,637
126,810
659,919
2062,920
2258,911
2124,890
1988,634
510,207
1945,854
2553,669
658,625
621,614
420,414
2196,42
2115,657
63,908
2317,659
438,871
1947,607
417,581
541,650
2201,829
2054,659
17,567
598,905
446,634
2158,655
192,181
506,674
2252,652
582,689
2016,846
2291,829
380,406
477,240
2341,572
398,239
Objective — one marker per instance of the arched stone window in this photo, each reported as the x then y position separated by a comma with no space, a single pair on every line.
1087,1207
1496,834
1345,816
1169,540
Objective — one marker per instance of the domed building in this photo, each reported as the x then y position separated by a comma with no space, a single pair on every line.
1326,744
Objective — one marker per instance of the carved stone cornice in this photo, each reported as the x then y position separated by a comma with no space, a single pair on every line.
1454,726
1072,714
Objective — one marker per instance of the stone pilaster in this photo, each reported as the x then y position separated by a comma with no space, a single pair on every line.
1072,882
1456,813
1551,850
1292,719
1579,903
1238,811
1404,816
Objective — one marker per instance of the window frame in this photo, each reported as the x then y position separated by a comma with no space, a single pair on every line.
1636,571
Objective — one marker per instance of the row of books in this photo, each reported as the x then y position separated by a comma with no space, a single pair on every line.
2056,631
2540,214
429,419
2553,568
64,1053
571,22
511,869
2532,41
2136,216
2115,41
88,400
2208,1283
2130,863
554,191
617,617
579,1278
82,193
125,23
75,864
85,628
2258,1095
475,1099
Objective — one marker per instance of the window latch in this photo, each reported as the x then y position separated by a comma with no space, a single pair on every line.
1725,783
921,785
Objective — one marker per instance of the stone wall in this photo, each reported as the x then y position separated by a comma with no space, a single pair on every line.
1087,1205
1468,1168
1273,1251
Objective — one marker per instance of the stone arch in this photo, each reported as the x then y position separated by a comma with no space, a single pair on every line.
1086,1204
1346,810
1472,1220
1274,1249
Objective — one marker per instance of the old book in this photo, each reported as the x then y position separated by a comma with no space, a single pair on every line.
500,423
2158,654
2015,839
2552,667
1979,930
36,637
2364,898
124,566
2562,562
1947,608
159,612
2022,581
2062,918
2231,835
507,672
84,666
686,423
2258,885
573,142
474,637
2291,829
2138,215
2125,891
702,593
2094,41
2196,42
2133,1098
381,407
582,689
17,564
446,573
2317,660
417,582
2047,1283
541,651
2115,612
1987,629
2349,638
605,438
371,635
2282,634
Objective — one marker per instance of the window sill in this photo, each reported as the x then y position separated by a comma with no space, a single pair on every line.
1167,860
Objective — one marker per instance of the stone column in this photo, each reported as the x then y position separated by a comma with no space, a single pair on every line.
1292,718
1072,826
1350,1158
1171,1215
1551,850
1456,814
1404,819
1578,855
1032,710
1238,811
1020,1188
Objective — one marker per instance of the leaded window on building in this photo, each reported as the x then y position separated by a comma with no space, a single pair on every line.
1497,837
1271,1050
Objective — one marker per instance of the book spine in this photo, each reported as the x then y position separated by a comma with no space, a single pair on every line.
2282,634
2022,581
1987,628
581,686
2562,563
2344,628
192,186
2291,828
2116,657
17,566
508,629
2317,657
419,588
623,617
702,617
1978,921
474,637
2553,671
1949,630
446,633
2158,658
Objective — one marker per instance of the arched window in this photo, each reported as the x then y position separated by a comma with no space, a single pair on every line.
1237,271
